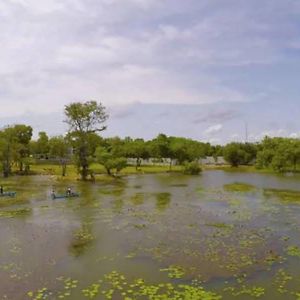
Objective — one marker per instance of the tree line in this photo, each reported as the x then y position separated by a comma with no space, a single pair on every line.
83,145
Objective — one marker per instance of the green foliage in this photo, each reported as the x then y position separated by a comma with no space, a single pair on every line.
280,154
84,120
192,168
42,144
240,154
15,147
137,149
109,160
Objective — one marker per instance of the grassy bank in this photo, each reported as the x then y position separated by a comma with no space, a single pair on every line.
52,169
99,170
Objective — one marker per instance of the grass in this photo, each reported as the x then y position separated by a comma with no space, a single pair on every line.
52,169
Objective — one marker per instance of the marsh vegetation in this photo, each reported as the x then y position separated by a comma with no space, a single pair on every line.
221,235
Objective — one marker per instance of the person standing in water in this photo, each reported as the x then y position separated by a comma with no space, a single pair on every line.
69,191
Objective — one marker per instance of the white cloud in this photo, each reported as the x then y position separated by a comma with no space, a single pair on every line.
120,52
214,129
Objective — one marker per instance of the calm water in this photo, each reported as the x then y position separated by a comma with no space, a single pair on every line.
124,238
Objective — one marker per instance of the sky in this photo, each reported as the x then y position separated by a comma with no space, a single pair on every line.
201,69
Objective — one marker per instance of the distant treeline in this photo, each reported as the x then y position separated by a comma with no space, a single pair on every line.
83,145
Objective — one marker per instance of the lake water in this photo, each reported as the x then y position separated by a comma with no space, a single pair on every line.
166,236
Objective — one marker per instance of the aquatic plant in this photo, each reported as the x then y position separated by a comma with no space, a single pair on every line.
162,200
238,187
82,239
283,195
293,251
15,213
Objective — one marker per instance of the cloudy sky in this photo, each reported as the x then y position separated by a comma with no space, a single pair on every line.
201,69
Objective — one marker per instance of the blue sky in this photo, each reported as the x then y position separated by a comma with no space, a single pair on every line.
201,69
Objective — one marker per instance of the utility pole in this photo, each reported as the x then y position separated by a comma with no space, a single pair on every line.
246,132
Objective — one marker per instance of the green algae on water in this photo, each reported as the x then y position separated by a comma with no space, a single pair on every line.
238,187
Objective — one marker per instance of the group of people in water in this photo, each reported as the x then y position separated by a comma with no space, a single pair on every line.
68,192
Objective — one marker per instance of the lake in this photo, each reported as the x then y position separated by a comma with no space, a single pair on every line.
168,236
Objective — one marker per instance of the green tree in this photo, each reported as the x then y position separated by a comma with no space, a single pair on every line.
22,135
109,160
160,148
42,144
8,150
234,154
60,149
84,120
137,149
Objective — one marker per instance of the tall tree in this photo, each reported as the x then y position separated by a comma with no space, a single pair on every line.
84,120
22,135
8,150
42,144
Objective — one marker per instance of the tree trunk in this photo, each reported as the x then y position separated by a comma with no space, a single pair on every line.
63,169
5,170
138,163
84,163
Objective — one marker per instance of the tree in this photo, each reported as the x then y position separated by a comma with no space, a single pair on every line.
160,148
22,135
109,160
42,144
178,150
234,154
8,150
59,148
84,120
137,149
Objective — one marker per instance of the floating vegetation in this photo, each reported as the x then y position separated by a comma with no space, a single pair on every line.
281,281
112,191
40,294
81,241
293,251
178,185
91,291
254,291
115,286
140,226
15,213
162,200
283,195
174,272
238,187
220,225
12,201
138,199
69,285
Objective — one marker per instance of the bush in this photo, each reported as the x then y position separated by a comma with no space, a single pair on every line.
192,168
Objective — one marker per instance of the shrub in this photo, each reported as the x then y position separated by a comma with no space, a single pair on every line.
192,168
